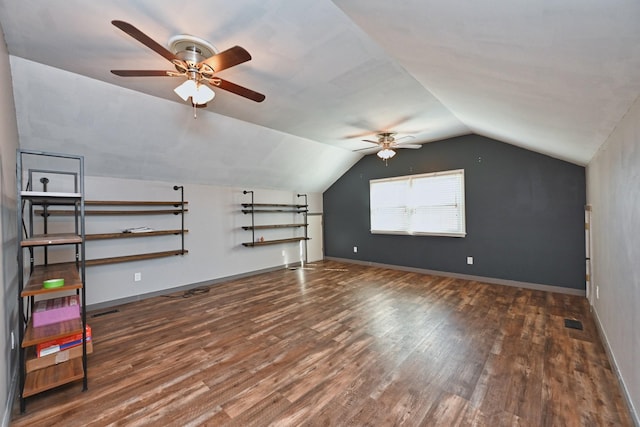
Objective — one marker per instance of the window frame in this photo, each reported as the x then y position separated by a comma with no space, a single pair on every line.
409,206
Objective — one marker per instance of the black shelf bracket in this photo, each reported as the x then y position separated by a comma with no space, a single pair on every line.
253,231
181,188
306,237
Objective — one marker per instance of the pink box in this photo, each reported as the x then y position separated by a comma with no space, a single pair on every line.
56,310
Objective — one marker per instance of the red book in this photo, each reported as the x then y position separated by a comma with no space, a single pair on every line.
59,344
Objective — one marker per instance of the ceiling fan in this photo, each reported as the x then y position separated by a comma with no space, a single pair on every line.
194,59
387,142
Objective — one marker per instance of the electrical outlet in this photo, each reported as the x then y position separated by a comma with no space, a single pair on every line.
597,292
13,341
137,277
355,249
470,260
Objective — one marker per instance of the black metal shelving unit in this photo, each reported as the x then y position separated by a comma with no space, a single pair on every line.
31,276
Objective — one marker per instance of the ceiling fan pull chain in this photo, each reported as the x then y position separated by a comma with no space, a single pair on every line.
195,110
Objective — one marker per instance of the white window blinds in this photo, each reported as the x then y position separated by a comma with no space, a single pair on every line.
426,204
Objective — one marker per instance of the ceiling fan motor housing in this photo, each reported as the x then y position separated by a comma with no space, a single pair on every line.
192,50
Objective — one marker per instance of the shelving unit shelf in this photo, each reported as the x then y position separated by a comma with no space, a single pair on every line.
273,208
67,271
40,377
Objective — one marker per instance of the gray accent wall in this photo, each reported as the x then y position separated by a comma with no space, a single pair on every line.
524,214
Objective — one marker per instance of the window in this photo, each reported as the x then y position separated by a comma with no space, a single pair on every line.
426,204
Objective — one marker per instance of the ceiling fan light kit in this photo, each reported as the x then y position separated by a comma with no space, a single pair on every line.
386,153
199,93
195,59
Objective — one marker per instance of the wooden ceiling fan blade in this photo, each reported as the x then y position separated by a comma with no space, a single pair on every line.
227,59
237,89
145,40
143,73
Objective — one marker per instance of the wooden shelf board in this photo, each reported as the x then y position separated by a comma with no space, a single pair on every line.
33,336
274,242
265,227
122,235
32,362
137,257
131,203
246,211
53,376
67,271
264,205
50,197
51,239
89,212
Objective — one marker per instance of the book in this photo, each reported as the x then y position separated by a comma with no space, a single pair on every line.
60,344
56,310
138,230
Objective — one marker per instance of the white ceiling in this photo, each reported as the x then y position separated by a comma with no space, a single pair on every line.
553,77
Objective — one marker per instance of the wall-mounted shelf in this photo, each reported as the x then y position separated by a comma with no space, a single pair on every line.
121,235
266,227
128,203
136,257
114,212
274,242
273,208
124,208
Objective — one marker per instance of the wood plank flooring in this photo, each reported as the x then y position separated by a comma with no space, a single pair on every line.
337,344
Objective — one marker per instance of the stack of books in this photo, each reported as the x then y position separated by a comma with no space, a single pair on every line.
59,350
60,344
53,352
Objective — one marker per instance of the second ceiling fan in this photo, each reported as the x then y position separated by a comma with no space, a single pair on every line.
197,61
387,142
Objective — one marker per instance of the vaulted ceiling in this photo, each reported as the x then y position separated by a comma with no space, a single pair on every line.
553,77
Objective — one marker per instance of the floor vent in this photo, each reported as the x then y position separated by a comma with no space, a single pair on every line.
573,324
104,313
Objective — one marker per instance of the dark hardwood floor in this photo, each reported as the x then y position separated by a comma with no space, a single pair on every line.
338,344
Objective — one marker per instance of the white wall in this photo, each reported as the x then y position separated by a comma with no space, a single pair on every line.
8,267
214,240
613,190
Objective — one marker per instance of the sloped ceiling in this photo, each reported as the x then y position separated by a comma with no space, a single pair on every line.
553,77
